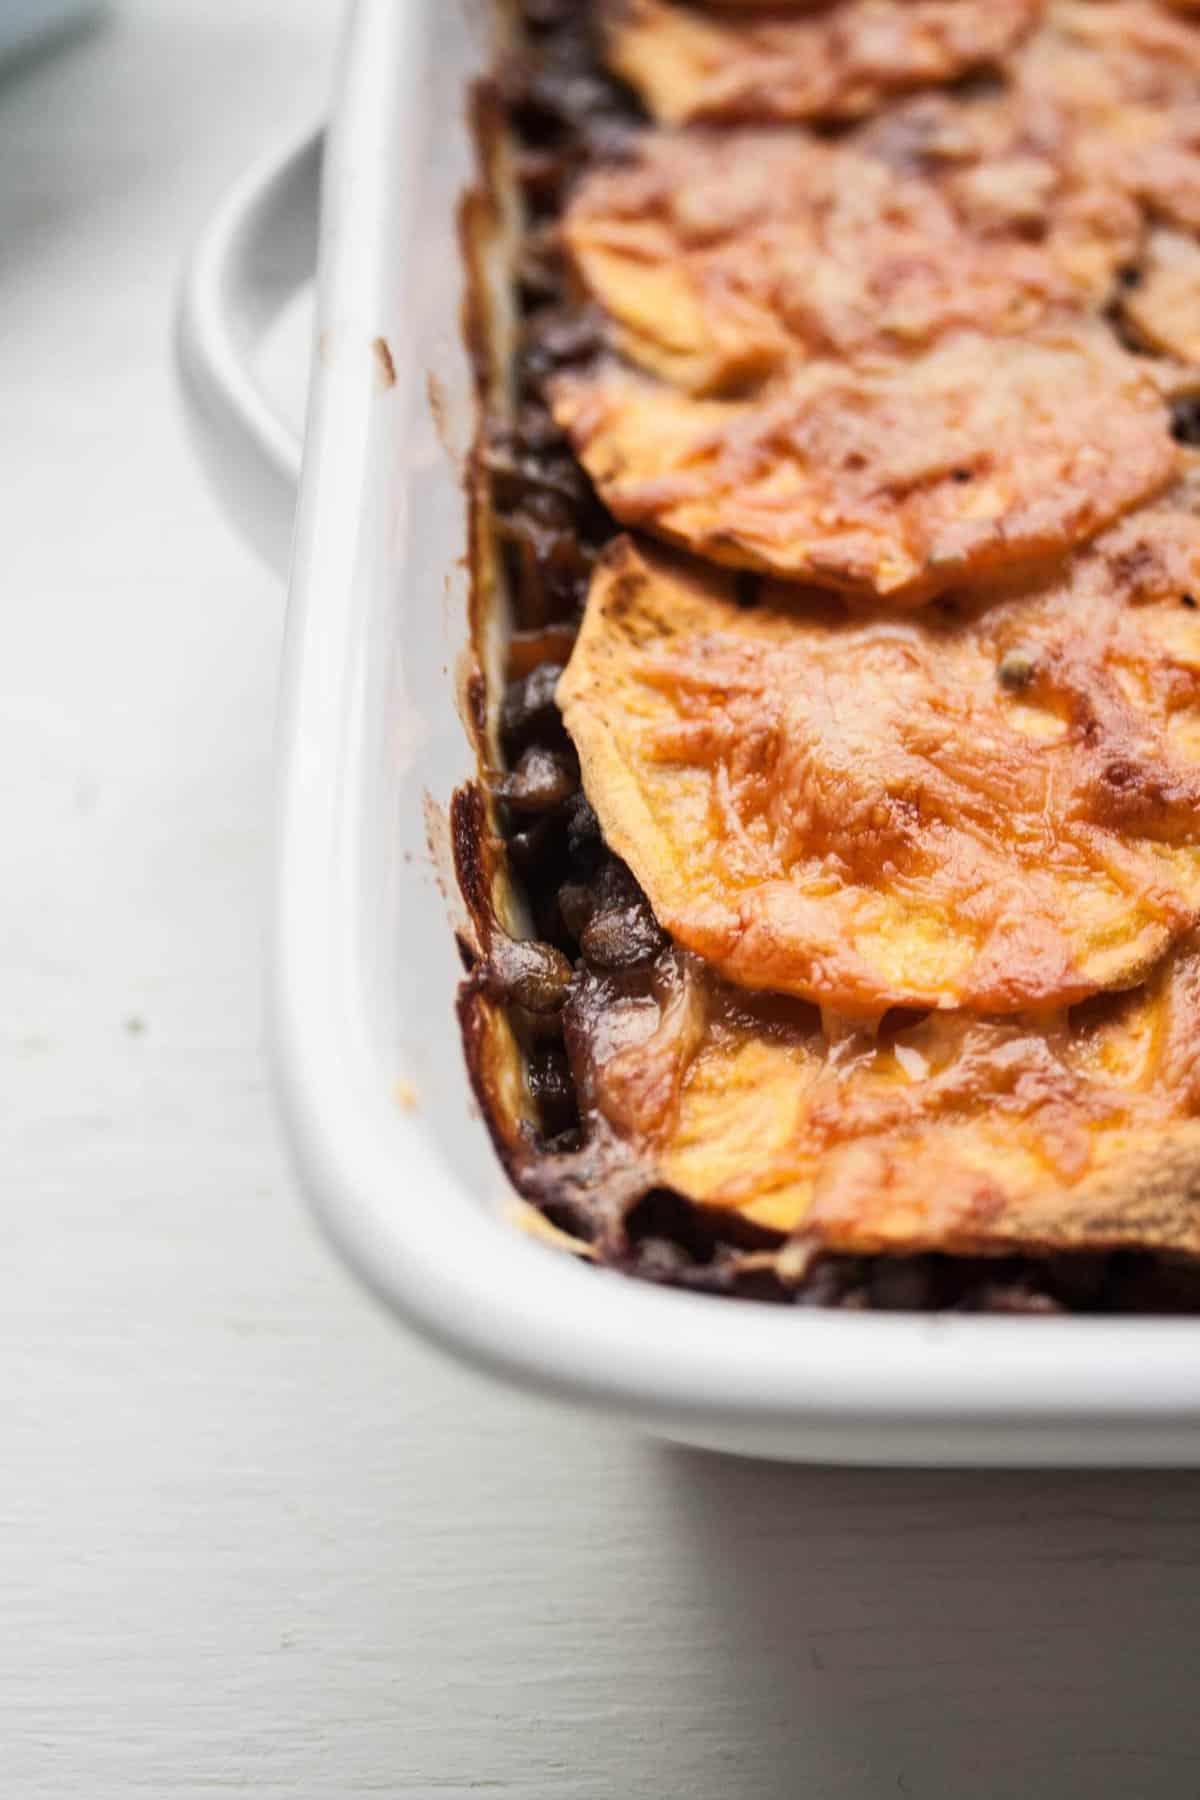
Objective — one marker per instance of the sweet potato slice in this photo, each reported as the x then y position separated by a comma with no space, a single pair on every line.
993,807
952,1133
833,61
719,256
896,479
1164,306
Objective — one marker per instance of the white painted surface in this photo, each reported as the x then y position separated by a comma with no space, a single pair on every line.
252,1541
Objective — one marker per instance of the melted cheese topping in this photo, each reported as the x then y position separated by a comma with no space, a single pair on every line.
1122,68
994,808
895,478
956,1133
828,61
932,876
1164,306
1116,88
768,6
719,256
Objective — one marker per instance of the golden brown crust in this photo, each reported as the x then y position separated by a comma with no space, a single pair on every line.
721,255
996,809
897,479
1163,308
828,62
764,6
919,397
1116,88
1121,69
964,1135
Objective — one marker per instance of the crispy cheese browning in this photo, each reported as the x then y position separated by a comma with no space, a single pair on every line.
868,807
1163,307
953,1133
1115,87
831,61
720,256
1126,71
995,808
895,479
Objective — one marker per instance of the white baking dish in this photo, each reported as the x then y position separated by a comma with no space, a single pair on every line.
387,1140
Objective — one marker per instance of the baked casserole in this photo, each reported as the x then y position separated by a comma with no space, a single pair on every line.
834,865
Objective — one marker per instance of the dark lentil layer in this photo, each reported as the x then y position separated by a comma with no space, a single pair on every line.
595,933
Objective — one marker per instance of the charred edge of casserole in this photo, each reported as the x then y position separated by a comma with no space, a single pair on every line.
527,823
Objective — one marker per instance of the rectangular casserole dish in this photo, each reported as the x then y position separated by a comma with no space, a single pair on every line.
387,1139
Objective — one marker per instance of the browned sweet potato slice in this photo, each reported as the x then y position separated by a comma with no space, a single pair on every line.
994,808
953,1134
776,6
1116,88
897,479
1125,67
719,255
1164,306
831,62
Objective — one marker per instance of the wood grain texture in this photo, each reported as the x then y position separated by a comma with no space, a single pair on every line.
252,1540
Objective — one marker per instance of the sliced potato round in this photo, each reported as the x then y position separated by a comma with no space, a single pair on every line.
896,479
832,61
1117,88
954,1134
993,807
1126,67
719,255
1164,305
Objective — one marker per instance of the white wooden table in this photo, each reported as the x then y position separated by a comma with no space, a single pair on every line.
252,1540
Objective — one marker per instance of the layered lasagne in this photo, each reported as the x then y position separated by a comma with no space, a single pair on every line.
835,861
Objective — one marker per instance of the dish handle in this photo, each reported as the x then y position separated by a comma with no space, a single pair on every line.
257,251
